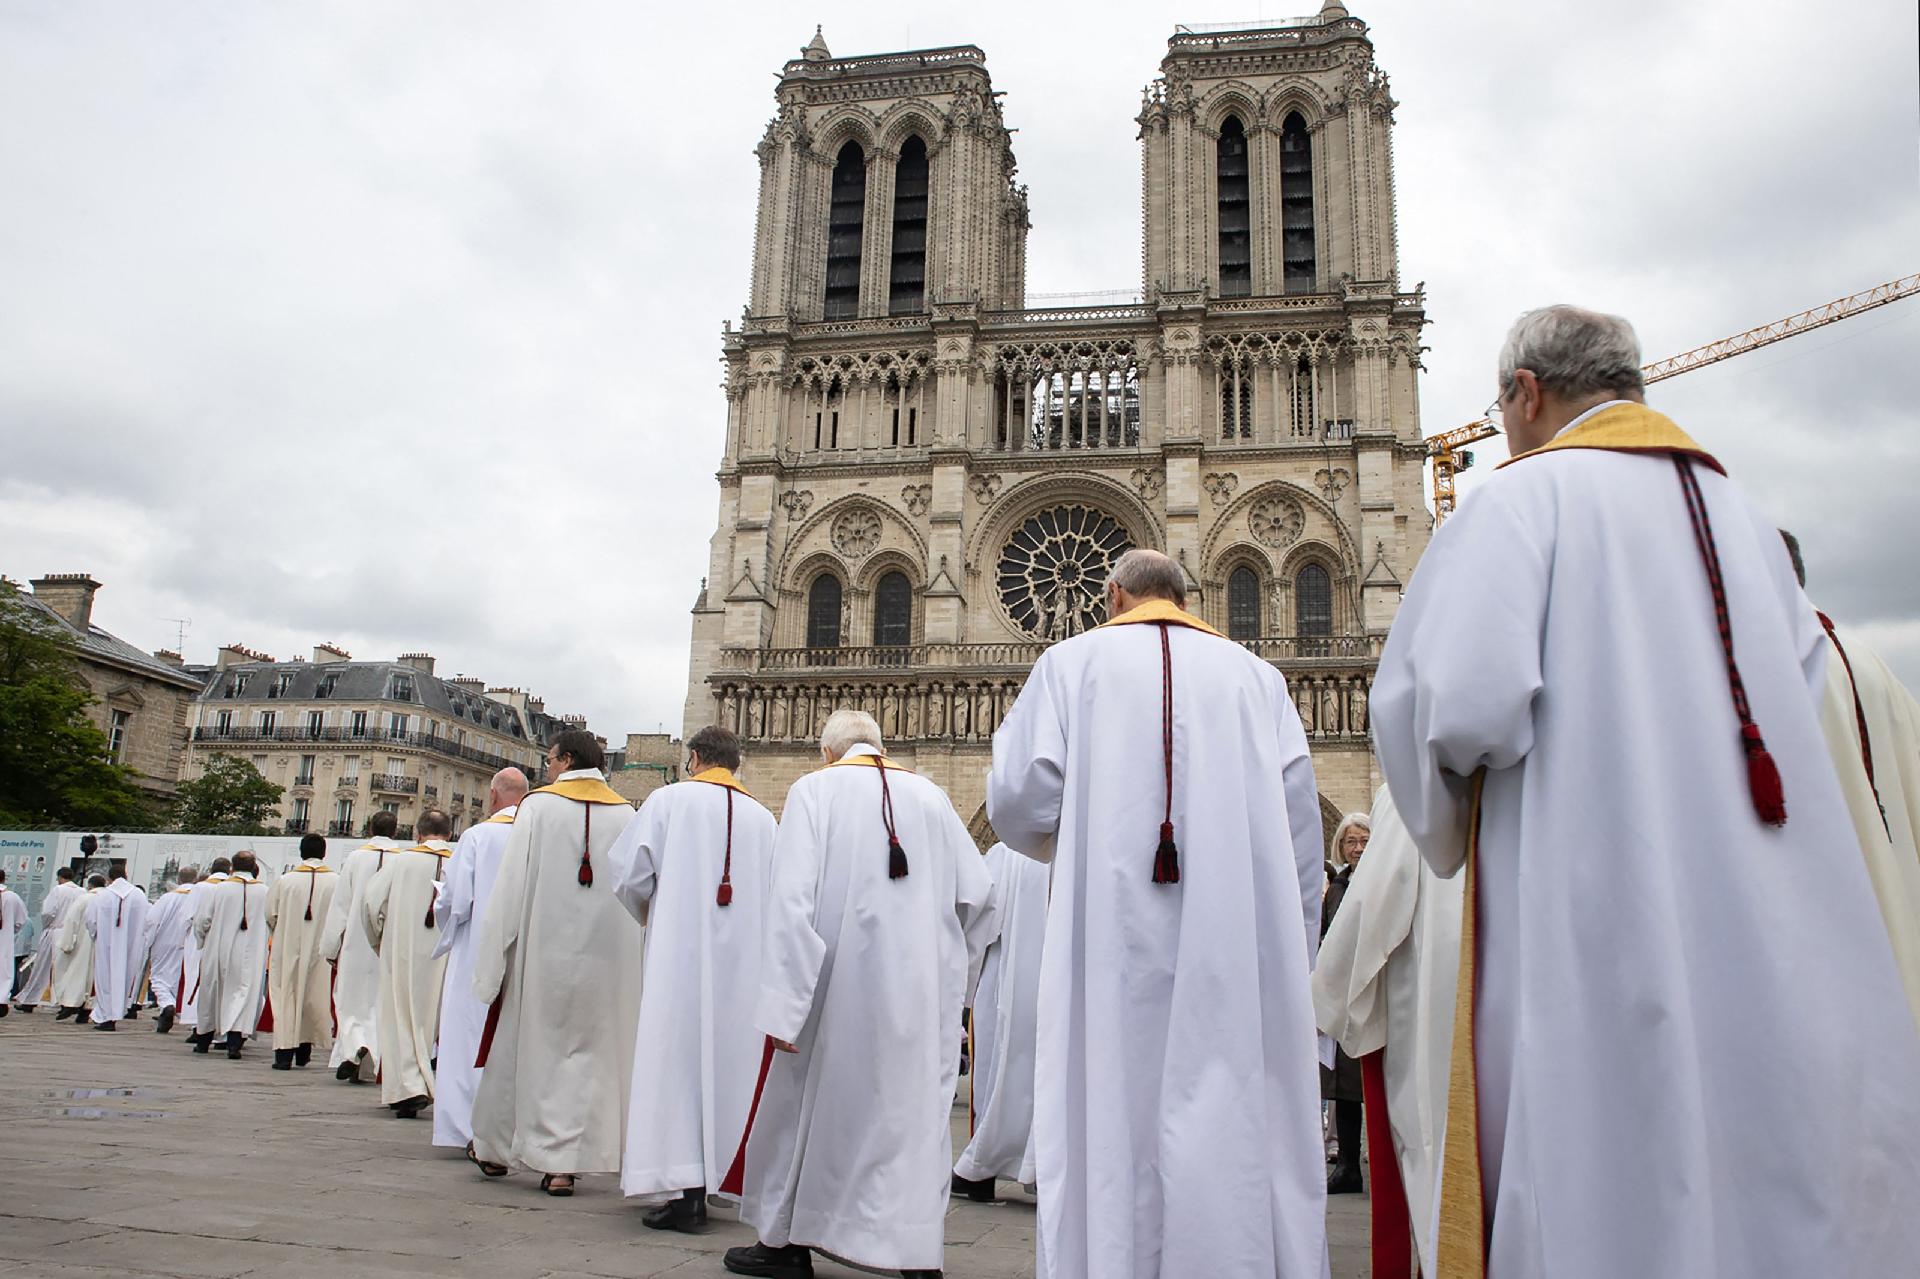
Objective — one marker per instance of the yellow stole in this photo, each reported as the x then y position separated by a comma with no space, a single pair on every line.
585,790
1626,428
1461,1244
437,852
721,777
502,816
304,868
1160,611
871,761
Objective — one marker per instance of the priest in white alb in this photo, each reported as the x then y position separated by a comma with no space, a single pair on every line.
298,980
230,921
1872,726
117,921
1680,1037
356,977
36,984
1005,1030
1383,988
692,866
558,964
168,925
458,912
73,955
398,914
1163,769
878,913
219,871
13,925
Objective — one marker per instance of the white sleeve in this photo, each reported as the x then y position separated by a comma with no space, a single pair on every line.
1024,789
794,950
634,859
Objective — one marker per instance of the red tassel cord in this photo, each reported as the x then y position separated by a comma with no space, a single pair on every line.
1166,861
1763,775
896,855
243,905
313,882
586,852
724,895
1859,719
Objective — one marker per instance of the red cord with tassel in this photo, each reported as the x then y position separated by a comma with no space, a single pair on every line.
1166,861
896,855
586,852
724,895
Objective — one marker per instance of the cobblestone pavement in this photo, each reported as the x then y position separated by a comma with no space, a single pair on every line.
125,1154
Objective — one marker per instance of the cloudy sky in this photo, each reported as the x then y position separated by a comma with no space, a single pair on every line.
398,325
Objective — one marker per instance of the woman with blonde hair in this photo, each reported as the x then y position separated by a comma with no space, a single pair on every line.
1342,1085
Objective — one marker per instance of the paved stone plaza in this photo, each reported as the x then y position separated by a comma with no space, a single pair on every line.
125,1154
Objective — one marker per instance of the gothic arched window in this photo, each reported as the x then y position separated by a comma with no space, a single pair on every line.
1296,205
1053,570
907,281
846,227
823,612
1313,602
1236,220
1243,604
893,612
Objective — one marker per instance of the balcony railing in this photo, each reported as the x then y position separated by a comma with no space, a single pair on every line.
303,779
345,829
296,826
1016,654
395,784
431,792
368,737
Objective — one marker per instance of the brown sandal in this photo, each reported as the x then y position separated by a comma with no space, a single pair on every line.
551,1183
491,1170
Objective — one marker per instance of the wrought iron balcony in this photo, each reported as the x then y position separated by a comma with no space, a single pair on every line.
296,826
346,736
396,784
431,792
340,828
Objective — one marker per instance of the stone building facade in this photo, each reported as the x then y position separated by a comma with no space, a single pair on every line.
924,479
141,699
347,739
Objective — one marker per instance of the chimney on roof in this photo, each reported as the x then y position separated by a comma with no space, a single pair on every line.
234,654
330,653
170,657
536,705
468,682
422,662
68,594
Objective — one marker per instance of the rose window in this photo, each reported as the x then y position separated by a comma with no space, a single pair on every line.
1053,572
856,532
1276,521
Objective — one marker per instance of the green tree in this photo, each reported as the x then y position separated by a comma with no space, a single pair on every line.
230,798
54,764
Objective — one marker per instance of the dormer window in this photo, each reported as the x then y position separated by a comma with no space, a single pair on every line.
403,688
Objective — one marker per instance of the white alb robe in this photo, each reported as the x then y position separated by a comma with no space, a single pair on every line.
696,1053
1385,979
1006,1023
299,980
168,924
398,916
13,922
189,1014
73,954
851,1149
1176,1095
462,904
1693,1053
564,960
356,977
233,960
117,921
1887,824
36,984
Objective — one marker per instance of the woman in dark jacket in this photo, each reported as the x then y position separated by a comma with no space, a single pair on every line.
1341,1085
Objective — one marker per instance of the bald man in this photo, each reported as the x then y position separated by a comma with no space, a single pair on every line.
462,903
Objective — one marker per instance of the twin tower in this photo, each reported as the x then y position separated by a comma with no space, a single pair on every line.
925,479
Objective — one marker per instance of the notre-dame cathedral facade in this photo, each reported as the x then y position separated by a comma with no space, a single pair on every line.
925,479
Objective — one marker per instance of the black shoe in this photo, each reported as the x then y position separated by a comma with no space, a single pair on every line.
164,1023
283,1059
790,1262
981,1192
234,1040
1345,1180
65,1013
3,1008
133,1013
27,1009
106,1025
82,1018
202,1042
411,1107
346,1071
921,1274
303,1054
687,1214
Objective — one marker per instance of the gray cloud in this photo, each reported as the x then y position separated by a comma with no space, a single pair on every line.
398,326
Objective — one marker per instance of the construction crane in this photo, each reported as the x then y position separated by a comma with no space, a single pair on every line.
1448,450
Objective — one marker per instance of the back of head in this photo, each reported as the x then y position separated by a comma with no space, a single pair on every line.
246,864
1149,575
717,747
189,874
383,824
312,847
847,728
64,874
96,881
1575,353
509,786
434,824
220,866
582,748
